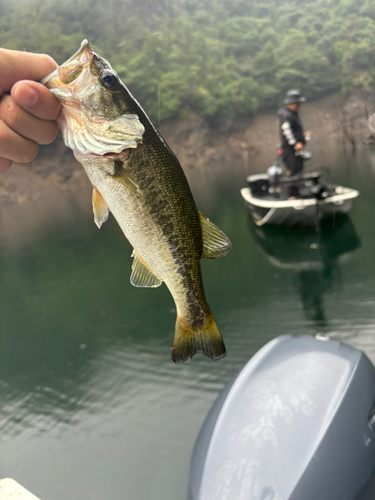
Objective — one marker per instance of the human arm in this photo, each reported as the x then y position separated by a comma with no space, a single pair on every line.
286,130
28,111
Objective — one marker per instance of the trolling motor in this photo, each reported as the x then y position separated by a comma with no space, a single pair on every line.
297,422
275,173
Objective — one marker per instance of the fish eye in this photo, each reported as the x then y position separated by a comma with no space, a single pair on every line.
108,79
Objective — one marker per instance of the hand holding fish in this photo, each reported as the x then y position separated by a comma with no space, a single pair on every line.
28,111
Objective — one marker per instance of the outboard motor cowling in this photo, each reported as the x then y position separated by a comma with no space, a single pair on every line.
296,423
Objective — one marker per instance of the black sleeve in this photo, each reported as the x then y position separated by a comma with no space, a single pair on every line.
286,127
298,130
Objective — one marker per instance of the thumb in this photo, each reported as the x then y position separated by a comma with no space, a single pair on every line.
36,99
16,65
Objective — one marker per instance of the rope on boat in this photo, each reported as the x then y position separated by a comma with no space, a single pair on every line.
266,218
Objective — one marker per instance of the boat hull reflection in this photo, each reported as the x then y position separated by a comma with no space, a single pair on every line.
314,257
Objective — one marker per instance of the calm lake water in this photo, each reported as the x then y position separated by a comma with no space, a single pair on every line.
91,406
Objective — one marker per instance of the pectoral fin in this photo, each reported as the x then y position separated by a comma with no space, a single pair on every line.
142,276
123,176
215,243
99,207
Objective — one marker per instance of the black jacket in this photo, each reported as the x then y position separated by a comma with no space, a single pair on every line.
291,130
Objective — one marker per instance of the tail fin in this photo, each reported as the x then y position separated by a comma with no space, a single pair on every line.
190,340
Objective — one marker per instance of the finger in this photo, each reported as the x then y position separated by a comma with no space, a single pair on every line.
37,99
16,148
5,164
16,65
25,124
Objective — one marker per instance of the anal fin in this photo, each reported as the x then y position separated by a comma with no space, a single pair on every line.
99,207
215,243
142,276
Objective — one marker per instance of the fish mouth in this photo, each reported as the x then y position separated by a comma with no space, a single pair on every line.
68,72
89,119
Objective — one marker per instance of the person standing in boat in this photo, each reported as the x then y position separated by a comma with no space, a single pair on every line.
291,132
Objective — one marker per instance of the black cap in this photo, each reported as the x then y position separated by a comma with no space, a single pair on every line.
293,96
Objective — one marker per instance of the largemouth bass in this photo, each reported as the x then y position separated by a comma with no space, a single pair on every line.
136,176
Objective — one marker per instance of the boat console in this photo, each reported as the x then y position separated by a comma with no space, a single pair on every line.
278,187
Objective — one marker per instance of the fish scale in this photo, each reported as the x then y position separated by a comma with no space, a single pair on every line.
137,218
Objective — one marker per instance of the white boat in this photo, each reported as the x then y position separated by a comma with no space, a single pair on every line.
269,203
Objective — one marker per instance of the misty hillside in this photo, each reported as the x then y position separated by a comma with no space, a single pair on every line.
215,57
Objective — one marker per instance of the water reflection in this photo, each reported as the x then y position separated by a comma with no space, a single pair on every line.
313,255
90,403
85,368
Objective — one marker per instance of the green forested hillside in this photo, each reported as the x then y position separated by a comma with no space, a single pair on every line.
215,57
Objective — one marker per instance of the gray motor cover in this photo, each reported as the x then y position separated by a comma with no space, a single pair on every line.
295,423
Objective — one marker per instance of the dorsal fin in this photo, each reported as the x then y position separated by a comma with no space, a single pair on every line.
215,242
99,207
142,276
